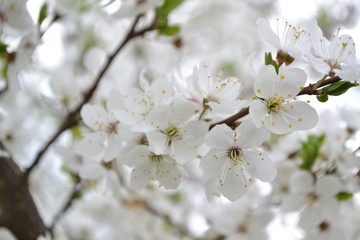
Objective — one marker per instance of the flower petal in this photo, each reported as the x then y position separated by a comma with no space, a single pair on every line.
258,112
300,115
94,116
328,186
248,135
169,175
264,170
221,136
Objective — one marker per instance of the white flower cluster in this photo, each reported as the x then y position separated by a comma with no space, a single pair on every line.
212,155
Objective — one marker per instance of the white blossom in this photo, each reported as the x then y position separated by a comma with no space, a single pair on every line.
276,106
233,161
337,55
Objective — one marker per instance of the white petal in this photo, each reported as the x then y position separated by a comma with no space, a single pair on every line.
266,82
263,167
302,181
137,155
293,202
194,132
141,175
182,151
267,34
91,171
115,100
277,123
158,142
315,36
300,115
258,112
181,111
220,136
169,175
233,186
93,144
113,147
212,163
94,116
290,81
249,135
328,186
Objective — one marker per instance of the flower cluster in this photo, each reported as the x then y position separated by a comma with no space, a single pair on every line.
130,134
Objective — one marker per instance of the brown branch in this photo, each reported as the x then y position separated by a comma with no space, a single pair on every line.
309,91
230,121
72,118
17,209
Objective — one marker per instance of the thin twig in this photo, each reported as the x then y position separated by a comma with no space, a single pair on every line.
72,118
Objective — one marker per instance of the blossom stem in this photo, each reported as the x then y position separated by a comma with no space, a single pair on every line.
202,113
318,83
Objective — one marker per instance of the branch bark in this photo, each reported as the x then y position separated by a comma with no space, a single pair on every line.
17,209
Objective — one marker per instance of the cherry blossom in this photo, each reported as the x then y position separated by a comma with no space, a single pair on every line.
150,166
174,132
107,139
335,56
291,42
218,93
276,105
232,162
314,197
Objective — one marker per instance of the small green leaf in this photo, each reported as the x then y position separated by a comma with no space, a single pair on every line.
322,97
3,50
43,13
162,15
343,196
70,173
169,30
268,58
339,88
175,197
76,133
310,150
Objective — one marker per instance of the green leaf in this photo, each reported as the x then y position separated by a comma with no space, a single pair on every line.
3,50
310,150
268,58
169,30
76,133
161,17
343,196
339,88
175,197
70,173
322,97
43,13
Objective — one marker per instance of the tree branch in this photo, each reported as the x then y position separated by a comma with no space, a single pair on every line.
72,118
230,121
17,209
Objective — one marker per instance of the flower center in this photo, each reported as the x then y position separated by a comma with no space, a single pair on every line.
274,104
235,155
312,197
111,128
172,132
155,158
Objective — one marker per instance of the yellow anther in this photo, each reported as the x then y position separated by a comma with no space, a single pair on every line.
300,119
282,76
